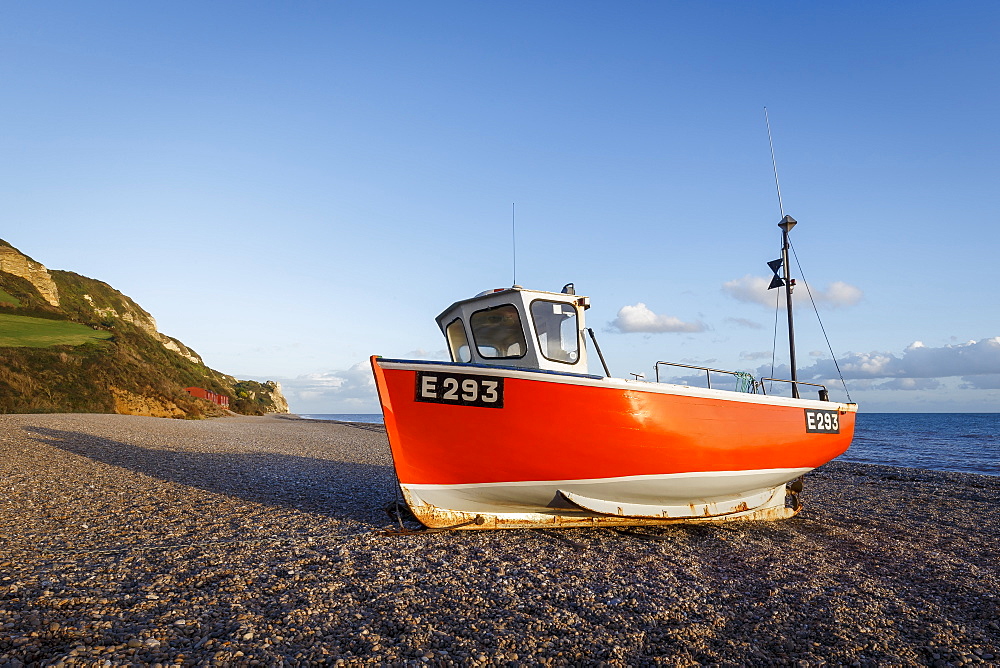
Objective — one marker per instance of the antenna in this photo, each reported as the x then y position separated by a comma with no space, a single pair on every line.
774,164
513,242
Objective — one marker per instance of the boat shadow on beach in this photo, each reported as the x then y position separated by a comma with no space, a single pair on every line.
337,489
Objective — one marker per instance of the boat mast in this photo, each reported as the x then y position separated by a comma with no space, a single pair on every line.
786,224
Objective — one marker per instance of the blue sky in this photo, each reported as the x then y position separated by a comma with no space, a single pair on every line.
291,187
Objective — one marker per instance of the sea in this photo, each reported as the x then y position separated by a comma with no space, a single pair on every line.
370,418
965,442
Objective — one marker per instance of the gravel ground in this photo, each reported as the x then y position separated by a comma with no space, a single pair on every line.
257,541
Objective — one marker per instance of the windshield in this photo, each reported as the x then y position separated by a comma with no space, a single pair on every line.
556,328
498,333
458,342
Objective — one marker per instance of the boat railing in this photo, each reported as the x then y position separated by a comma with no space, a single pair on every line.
824,395
744,381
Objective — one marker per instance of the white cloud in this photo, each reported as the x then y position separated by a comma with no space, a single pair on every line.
838,294
639,318
753,289
343,391
965,359
909,384
870,365
977,362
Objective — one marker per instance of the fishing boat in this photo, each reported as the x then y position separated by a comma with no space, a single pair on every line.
516,431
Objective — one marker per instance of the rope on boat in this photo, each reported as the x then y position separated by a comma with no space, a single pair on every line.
774,341
820,321
403,531
745,382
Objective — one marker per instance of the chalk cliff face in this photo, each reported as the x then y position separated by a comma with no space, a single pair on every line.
255,398
130,312
173,344
280,403
14,262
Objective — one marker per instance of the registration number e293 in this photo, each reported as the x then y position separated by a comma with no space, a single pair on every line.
822,422
459,389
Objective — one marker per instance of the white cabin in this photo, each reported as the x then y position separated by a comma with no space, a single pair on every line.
514,327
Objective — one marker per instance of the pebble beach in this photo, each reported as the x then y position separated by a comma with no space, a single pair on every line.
141,541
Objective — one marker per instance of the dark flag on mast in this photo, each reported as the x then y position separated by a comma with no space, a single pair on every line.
777,281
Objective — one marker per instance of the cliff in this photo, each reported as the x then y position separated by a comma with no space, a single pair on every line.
69,343
13,262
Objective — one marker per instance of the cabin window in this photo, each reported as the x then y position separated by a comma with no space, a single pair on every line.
557,331
498,333
458,342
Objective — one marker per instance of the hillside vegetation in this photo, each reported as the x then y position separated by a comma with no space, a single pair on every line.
96,350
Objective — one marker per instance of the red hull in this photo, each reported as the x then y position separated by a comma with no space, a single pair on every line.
549,430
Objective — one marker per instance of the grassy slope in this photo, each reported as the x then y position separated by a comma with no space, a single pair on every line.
18,331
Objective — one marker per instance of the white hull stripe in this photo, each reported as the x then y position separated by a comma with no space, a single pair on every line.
792,472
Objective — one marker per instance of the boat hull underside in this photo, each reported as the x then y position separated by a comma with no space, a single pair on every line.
691,497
